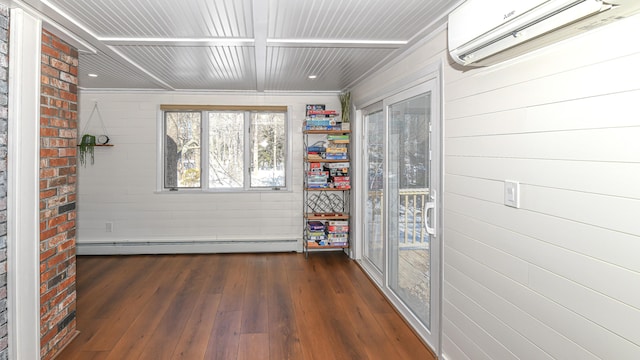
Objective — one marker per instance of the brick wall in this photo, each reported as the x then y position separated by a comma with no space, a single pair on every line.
58,133
4,62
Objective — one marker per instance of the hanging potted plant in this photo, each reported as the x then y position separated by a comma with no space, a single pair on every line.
87,145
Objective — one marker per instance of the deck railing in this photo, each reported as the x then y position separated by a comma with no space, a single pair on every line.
410,210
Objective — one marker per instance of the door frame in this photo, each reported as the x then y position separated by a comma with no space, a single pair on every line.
428,75
23,222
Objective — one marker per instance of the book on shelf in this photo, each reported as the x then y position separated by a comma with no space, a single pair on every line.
337,137
337,165
315,225
321,112
338,222
337,229
314,107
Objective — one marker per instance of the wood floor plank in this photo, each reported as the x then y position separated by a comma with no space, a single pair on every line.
400,336
195,337
225,336
254,347
234,283
316,333
284,341
342,337
254,310
358,310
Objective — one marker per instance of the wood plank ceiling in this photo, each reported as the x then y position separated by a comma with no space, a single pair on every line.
239,45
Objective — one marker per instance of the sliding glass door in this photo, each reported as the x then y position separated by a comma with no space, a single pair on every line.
374,201
408,192
401,249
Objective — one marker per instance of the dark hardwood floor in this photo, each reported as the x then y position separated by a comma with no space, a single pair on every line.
234,306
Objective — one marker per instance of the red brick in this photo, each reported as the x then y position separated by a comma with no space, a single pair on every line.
49,91
46,37
68,152
47,234
66,245
67,133
49,132
57,44
48,193
61,123
48,172
66,226
49,111
68,96
62,66
47,70
48,152
67,170
47,254
59,162
60,84
54,260
57,142
48,336
57,240
68,78
66,283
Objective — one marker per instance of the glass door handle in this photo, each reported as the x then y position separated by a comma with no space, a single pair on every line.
431,205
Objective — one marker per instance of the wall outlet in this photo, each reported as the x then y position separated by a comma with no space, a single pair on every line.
108,226
512,193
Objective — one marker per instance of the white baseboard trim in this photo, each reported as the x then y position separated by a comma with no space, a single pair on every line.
186,247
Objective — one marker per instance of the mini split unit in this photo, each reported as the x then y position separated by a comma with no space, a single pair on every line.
484,32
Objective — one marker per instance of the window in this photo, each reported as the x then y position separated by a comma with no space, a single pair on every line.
215,148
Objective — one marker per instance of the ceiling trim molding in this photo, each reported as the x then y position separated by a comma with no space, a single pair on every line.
197,107
337,43
206,92
123,41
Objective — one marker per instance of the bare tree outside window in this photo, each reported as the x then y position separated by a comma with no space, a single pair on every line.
226,150
268,144
182,149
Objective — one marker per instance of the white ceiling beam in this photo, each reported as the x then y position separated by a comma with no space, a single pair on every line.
260,27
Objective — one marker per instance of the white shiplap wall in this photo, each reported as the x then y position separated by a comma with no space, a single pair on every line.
558,278
121,186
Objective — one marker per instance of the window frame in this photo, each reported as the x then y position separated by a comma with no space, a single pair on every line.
204,148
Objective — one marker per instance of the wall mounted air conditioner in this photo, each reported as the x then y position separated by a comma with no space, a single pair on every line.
484,32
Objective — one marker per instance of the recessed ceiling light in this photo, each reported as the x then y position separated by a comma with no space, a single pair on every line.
313,76
92,75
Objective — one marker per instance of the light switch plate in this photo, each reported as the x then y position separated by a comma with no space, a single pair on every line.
512,193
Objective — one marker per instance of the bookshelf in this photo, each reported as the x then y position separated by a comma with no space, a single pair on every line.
327,181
